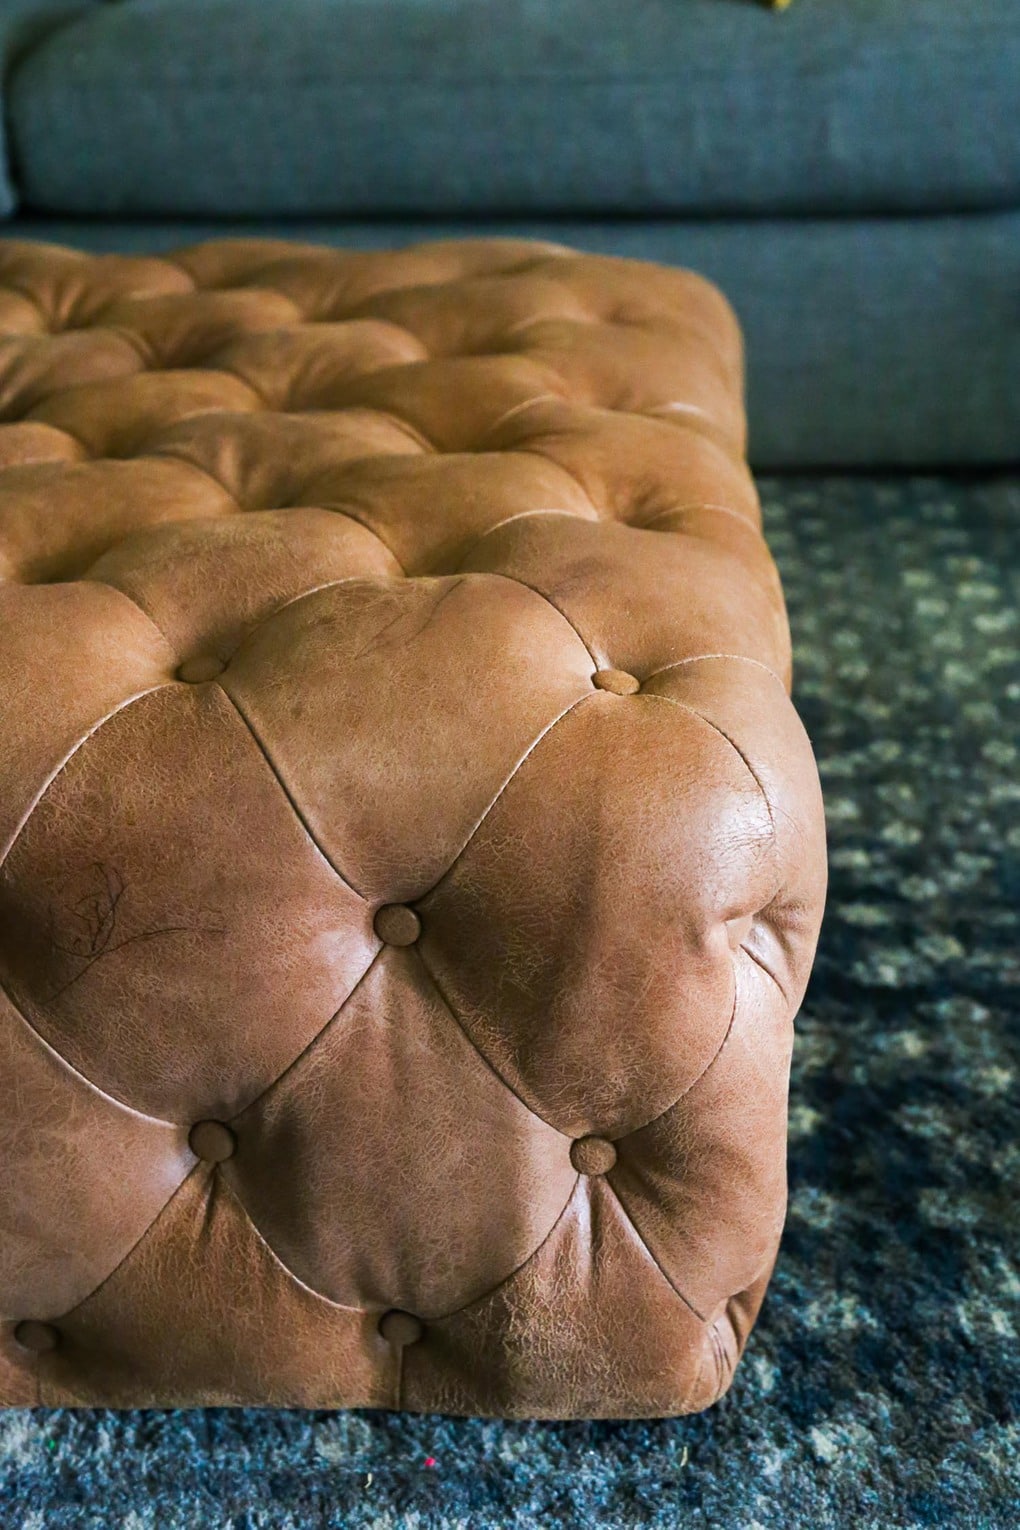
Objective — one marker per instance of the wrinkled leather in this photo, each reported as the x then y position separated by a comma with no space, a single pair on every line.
312,565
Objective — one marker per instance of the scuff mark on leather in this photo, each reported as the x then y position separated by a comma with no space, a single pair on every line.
83,930
406,625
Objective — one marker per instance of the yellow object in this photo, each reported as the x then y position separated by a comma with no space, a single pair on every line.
779,5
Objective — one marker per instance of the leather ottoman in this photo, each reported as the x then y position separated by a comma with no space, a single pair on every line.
411,859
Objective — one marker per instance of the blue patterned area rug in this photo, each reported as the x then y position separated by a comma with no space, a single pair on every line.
880,1388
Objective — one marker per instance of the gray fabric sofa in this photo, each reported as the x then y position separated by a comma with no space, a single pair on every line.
848,171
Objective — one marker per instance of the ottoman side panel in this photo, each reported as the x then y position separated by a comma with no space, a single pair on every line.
626,939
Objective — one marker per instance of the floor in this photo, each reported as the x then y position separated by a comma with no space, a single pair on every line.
880,1388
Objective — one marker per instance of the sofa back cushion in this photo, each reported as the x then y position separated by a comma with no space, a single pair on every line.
22,24
313,107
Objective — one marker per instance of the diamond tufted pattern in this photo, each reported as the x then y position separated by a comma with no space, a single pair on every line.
410,859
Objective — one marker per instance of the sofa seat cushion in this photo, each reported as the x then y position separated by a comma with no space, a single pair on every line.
334,106
410,858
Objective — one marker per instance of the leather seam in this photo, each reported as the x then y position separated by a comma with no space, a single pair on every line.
693,417
692,1390
69,756
169,258
477,1301
509,414
548,458
134,342
314,1040
767,971
720,1358
196,1168
640,1237
87,578
294,600
634,1130
406,428
85,453
481,820
514,579
208,364
478,1051
45,331
349,515
520,515
318,1296
683,705
698,658
167,454
104,1094
285,789
695,505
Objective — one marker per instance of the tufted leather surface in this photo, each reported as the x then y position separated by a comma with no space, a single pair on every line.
411,859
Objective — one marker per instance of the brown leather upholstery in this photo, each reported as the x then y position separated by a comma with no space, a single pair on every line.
411,859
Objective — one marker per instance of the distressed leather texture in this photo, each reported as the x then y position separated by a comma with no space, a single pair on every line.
411,861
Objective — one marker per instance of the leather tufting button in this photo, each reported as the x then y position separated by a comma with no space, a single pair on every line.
204,666
616,680
40,1338
397,925
213,1141
592,1155
400,1328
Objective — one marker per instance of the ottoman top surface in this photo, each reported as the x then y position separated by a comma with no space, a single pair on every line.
216,433
401,810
